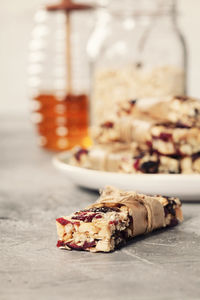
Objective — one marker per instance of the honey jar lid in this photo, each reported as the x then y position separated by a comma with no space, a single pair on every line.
69,6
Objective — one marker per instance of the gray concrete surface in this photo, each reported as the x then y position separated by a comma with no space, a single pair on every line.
164,265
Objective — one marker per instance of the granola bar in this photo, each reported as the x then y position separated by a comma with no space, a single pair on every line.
130,161
115,218
169,139
123,130
179,110
107,158
164,138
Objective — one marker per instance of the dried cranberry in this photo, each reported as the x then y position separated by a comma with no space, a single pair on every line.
165,136
74,246
60,244
149,144
181,98
98,217
79,153
63,221
113,222
88,244
136,164
85,218
150,167
76,223
107,124
80,217
81,212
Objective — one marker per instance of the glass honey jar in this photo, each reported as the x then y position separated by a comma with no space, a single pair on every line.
59,79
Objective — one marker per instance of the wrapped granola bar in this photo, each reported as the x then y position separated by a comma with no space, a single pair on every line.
163,138
115,218
130,160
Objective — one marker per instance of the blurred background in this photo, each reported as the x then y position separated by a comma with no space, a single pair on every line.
16,23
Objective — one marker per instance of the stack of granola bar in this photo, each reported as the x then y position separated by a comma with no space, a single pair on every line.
147,136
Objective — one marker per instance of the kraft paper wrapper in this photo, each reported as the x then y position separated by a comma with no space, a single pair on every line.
147,212
127,130
107,158
134,130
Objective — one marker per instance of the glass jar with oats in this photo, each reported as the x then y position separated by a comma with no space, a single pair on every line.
136,50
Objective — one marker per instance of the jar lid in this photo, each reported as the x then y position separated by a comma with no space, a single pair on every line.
69,5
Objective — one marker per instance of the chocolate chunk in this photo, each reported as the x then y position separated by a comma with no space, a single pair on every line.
104,209
178,124
195,156
196,111
150,167
169,208
173,222
132,101
181,125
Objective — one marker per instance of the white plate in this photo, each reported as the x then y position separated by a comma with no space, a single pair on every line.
187,187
